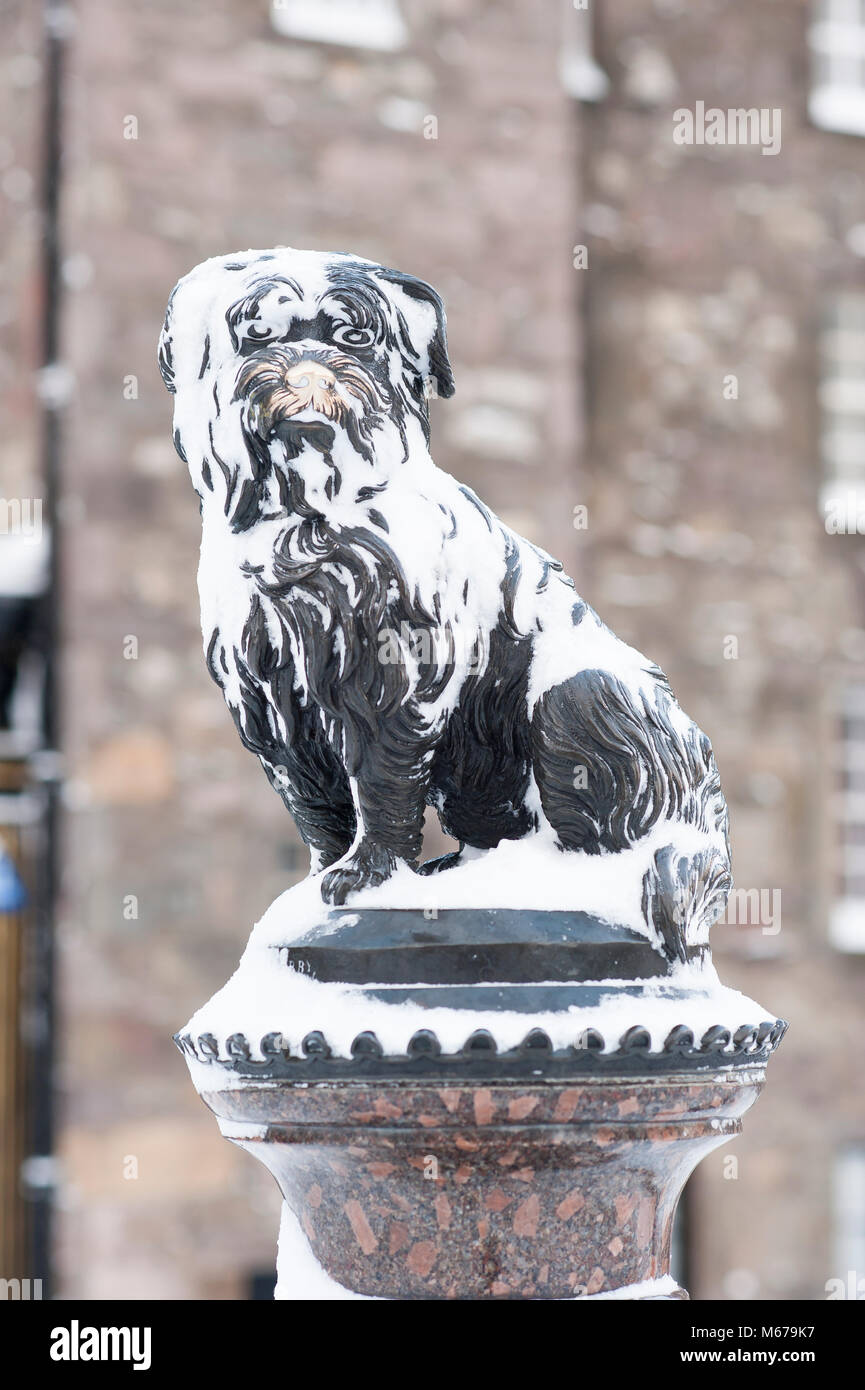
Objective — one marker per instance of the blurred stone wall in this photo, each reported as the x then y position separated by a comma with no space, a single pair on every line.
708,263
20,300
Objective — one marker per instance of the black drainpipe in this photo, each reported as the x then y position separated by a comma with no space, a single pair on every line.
40,1168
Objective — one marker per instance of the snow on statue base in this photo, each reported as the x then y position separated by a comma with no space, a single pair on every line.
510,1110
488,1078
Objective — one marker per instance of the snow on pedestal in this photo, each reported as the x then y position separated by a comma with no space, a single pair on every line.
483,1148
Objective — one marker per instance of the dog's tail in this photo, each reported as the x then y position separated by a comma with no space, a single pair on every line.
683,894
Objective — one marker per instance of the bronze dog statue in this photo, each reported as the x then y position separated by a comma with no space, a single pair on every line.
382,640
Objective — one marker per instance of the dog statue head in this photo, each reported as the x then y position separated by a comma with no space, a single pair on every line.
315,366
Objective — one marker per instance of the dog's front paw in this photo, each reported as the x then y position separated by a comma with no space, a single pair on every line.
367,867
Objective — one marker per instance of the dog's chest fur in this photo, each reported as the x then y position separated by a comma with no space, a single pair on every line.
391,611
306,627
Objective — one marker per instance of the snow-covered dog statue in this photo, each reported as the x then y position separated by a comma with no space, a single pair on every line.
382,640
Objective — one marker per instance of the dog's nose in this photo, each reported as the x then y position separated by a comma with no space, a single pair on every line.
311,376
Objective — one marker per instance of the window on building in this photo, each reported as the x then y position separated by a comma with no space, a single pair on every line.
351,23
849,1213
847,921
837,42
842,407
580,74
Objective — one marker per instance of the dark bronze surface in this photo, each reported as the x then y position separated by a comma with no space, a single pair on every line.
471,945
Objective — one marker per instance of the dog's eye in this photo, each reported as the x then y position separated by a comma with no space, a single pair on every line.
352,336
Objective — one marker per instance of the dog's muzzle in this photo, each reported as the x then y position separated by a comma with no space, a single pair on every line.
280,383
313,386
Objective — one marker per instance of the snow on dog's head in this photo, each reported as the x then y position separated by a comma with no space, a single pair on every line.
311,363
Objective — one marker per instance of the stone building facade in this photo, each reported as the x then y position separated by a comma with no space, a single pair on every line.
712,274
636,329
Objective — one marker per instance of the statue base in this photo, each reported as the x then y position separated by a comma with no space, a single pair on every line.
489,1104
522,1189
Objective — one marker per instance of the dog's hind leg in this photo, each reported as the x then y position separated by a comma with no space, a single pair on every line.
610,764
594,769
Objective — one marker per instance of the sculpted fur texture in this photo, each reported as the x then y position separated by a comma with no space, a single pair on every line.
382,640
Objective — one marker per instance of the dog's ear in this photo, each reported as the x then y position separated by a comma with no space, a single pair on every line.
434,346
